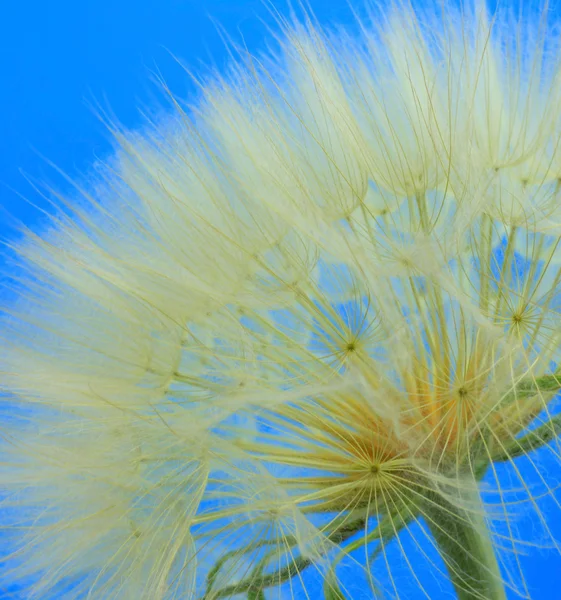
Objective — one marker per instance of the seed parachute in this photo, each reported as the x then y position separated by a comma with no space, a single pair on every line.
287,340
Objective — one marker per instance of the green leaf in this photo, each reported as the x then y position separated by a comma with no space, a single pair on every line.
331,589
531,441
388,527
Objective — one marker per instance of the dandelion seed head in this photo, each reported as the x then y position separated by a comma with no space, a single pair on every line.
324,299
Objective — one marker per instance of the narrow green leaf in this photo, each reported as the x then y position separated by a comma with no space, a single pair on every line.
387,528
299,563
531,441
331,589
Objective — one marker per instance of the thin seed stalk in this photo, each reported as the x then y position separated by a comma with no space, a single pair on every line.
464,542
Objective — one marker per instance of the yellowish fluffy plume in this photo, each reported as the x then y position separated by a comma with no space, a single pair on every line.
290,324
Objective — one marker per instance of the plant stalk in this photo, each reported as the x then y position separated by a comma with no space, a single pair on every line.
464,542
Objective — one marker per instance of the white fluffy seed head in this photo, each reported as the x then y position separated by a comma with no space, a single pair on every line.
330,289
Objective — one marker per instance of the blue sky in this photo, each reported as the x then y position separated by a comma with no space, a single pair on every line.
59,57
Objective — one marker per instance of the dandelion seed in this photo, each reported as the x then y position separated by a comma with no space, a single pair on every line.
298,325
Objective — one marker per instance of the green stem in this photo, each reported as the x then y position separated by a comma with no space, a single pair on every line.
464,542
